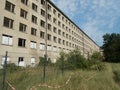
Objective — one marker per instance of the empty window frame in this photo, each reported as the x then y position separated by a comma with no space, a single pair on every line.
42,34
49,7
49,17
33,31
23,13
24,2
8,22
54,11
55,20
42,23
55,39
54,29
49,27
9,6
63,42
49,37
21,42
59,40
59,23
7,40
22,27
42,12
59,15
34,19
59,32
34,6
33,44
43,2
63,34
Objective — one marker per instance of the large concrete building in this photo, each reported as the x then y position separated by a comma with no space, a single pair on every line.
27,27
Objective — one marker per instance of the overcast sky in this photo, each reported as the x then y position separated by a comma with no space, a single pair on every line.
94,17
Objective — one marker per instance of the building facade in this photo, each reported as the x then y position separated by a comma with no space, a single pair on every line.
28,27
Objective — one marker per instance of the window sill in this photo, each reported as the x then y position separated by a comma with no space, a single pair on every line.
10,11
21,47
8,27
7,45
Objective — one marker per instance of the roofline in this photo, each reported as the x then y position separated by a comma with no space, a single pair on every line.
70,20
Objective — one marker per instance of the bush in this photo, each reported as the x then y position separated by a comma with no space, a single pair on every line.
12,67
48,62
96,61
72,60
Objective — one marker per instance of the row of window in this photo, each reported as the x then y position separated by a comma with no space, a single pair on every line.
8,40
21,61
22,27
23,13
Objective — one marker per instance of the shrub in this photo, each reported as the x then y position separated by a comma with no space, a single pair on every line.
72,60
12,67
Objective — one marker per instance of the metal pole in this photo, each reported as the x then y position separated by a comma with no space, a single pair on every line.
4,71
45,56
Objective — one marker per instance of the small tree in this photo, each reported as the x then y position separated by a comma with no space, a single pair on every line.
111,47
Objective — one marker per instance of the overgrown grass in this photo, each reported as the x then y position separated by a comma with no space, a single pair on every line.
24,79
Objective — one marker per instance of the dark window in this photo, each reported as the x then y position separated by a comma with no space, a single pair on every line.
49,17
55,39
49,27
42,12
54,11
63,42
49,37
34,6
34,19
42,23
63,33
9,6
24,1
21,42
49,7
23,13
54,20
8,22
59,23
20,59
43,2
54,29
22,27
33,31
58,15
59,32
42,34
59,40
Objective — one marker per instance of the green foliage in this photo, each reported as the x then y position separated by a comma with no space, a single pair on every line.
42,61
12,68
72,60
111,47
117,76
97,56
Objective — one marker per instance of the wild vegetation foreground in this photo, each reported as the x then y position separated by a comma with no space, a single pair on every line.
32,78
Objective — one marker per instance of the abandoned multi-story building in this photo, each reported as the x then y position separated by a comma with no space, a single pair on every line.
29,28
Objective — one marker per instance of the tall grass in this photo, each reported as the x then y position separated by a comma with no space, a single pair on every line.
24,79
